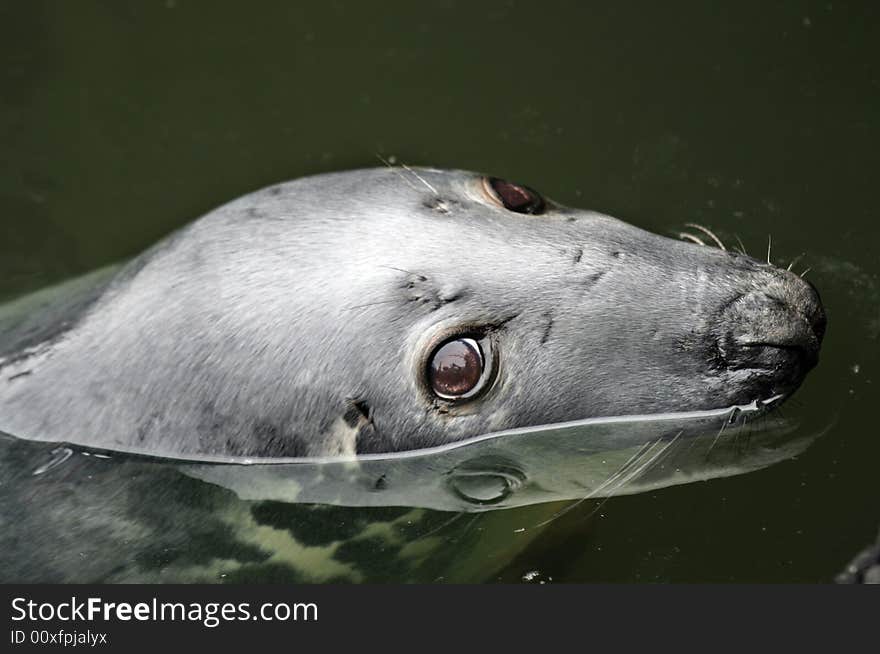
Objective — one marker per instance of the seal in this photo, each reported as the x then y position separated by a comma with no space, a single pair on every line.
394,309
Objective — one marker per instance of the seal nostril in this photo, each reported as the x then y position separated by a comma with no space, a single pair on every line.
777,336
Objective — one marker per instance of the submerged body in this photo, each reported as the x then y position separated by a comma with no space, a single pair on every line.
386,310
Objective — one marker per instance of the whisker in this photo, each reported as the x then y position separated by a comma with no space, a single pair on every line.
742,248
633,462
641,452
623,483
420,178
720,431
397,172
795,260
442,526
369,304
707,233
806,271
650,462
470,524
690,237
408,272
769,242
747,429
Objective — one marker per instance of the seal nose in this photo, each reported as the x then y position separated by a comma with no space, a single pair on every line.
776,330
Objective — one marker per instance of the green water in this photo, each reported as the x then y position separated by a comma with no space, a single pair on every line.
120,121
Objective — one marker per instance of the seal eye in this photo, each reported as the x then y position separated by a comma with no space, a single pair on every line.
514,197
457,369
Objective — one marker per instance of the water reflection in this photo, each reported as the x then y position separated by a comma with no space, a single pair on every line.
73,514
576,460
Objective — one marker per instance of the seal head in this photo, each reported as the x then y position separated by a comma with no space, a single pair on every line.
389,309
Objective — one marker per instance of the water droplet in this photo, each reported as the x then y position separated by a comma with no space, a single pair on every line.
59,456
531,575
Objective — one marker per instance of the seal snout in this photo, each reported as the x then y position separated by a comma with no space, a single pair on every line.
774,331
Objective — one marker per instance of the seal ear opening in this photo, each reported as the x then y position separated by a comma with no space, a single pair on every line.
357,413
359,417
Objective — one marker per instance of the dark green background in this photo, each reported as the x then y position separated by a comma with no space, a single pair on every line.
120,121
